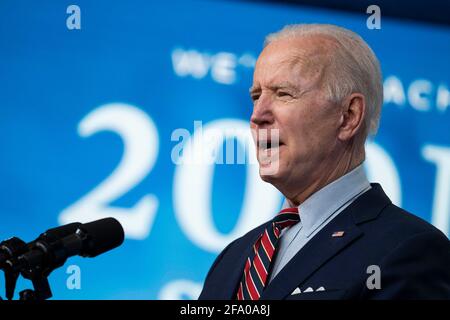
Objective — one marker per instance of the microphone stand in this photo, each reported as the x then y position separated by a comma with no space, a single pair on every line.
14,266
11,277
9,249
41,290
40,283
38,277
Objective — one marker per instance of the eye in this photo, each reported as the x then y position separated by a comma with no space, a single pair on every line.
283,94
255,97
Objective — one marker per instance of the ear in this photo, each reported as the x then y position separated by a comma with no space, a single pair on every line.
352,117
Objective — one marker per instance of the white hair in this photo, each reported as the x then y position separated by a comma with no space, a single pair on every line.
354,67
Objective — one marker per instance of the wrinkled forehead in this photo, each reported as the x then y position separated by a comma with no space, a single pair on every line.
303,59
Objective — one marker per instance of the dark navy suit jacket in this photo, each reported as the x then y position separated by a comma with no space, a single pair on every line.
413,257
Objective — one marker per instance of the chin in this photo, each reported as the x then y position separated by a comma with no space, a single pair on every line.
270,173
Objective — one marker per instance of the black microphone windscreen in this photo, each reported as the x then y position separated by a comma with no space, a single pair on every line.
103,235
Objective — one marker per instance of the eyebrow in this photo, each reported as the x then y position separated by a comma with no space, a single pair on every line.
252,89
274,87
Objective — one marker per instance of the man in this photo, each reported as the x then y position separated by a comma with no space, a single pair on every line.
339,237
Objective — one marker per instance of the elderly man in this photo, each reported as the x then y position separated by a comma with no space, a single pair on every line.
339,236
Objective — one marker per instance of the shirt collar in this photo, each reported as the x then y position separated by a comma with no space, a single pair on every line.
321,205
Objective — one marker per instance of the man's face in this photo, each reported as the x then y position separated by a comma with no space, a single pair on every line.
289,95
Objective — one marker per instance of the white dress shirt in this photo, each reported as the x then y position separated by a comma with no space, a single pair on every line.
317,211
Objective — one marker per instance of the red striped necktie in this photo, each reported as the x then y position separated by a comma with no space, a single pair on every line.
257,266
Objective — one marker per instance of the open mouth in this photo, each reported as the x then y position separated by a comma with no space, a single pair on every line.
268,155
268,144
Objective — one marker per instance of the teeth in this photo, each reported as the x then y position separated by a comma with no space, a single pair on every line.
268,145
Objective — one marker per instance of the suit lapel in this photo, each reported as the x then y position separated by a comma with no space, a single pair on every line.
312,256
323,246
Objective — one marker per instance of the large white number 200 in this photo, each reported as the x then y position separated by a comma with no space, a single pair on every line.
140,139
192,183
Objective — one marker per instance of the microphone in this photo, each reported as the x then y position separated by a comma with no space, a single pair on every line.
13,247
53,247
37,259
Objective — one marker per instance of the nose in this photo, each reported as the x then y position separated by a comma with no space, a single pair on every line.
262,115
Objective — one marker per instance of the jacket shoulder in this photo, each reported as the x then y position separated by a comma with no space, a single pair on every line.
396,220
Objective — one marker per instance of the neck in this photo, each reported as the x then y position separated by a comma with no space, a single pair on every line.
336,167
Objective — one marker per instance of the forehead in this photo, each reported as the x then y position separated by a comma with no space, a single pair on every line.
300,59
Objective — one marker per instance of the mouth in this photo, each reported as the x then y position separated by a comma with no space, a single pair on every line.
269,155
266,145
269,152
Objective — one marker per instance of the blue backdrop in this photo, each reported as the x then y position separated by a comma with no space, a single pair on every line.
89,119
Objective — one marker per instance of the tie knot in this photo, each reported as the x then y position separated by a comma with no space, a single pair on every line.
286,218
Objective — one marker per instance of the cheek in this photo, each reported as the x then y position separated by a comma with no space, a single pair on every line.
302,128
311,133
